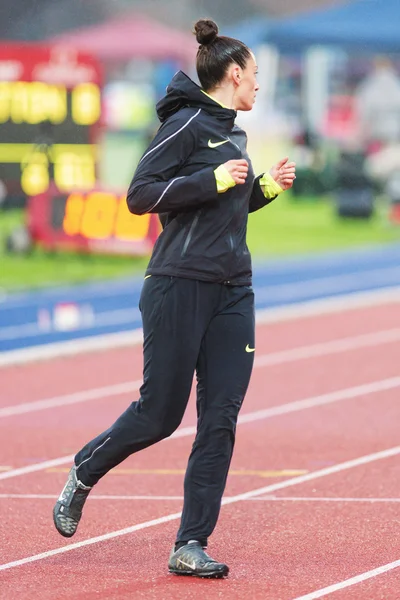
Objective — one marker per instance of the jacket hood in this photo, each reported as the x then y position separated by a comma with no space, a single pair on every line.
181,92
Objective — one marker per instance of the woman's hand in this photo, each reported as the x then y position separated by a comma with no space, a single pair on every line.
284,173
237,169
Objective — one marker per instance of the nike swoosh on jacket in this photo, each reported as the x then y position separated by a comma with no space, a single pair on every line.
204,232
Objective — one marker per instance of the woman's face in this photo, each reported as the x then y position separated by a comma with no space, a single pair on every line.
247,86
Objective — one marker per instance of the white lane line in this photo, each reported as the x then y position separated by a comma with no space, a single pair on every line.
95,343
338,346
350,464
346,344
344,394
258,415
296,310
47,464
349,582
107,391
90,541
163,498
311,499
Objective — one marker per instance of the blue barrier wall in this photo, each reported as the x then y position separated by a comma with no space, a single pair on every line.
66,313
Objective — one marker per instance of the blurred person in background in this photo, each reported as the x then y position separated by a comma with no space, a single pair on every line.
378,104
197,302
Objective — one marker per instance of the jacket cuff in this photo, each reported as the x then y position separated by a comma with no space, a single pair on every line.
224,179
270,188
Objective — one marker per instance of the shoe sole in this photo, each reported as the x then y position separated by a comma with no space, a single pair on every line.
60,531
213,575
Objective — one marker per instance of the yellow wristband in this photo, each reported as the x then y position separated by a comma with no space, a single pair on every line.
224,179
269,186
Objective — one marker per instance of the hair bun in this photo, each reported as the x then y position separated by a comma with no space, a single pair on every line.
205,31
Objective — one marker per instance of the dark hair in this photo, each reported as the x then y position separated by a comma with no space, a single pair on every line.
216,53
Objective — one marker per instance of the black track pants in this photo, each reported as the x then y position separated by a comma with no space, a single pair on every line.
188,326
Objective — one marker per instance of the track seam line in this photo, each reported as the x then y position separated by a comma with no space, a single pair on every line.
258,415
92,497
226,501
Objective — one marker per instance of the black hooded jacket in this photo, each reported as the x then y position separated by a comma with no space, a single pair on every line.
204,232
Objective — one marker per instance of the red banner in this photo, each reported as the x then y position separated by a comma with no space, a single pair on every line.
28,62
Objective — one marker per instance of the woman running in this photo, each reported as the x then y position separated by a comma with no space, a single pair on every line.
197,303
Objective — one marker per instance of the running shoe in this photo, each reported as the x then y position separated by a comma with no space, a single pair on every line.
191,559
67,511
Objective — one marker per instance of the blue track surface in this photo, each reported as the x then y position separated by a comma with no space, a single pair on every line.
59,314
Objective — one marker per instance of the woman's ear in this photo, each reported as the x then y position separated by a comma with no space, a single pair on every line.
236,74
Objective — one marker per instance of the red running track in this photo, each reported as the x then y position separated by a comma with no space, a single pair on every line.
311,505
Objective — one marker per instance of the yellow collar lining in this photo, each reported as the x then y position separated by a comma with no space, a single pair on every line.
220,103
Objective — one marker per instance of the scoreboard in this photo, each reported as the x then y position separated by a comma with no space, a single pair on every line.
50,117
50,108
93,221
